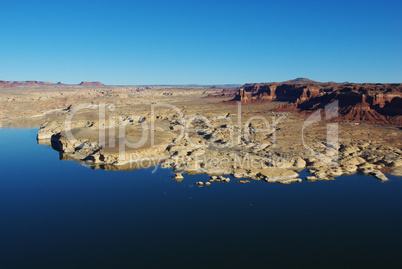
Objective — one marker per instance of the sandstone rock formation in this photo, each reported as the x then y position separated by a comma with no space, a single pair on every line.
368,102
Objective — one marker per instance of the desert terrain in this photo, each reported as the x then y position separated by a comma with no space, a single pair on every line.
264,131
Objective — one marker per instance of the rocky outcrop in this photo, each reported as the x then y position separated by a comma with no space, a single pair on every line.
368,102
266,92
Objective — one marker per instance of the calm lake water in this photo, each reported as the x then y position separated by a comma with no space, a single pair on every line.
60,214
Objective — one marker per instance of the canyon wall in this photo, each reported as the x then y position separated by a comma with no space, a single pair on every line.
368,102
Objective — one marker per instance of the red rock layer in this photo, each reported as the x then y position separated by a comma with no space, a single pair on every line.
368,102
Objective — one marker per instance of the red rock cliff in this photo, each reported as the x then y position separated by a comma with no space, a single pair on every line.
368,102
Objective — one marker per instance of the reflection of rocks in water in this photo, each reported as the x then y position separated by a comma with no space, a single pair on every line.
125,167
45,142
133,165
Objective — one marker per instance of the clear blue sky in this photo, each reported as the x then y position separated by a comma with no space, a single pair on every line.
200,42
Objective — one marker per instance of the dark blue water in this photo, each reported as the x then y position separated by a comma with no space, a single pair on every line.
59,214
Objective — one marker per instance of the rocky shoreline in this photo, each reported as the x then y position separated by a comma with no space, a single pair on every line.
256,159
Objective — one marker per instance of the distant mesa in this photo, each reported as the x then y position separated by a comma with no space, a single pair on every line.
300,80
24,83
10,84
93,83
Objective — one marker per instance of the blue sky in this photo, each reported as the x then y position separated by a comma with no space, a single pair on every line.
200,42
